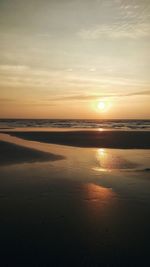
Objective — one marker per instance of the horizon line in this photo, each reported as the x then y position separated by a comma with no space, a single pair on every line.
23,118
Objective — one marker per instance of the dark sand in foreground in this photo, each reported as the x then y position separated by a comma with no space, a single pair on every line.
103,139
13,154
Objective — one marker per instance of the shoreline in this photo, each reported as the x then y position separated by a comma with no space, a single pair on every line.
89,139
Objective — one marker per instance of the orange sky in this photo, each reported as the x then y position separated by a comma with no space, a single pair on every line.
59,59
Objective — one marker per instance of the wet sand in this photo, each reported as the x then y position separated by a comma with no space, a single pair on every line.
103,139
91,209
14,154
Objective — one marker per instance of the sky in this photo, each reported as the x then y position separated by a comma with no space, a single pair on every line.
60,58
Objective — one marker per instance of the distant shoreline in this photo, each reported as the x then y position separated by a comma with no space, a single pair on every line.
100,139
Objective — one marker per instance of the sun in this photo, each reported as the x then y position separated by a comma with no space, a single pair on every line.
103,106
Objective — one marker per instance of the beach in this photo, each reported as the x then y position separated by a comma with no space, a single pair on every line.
74,133
67,201
15,154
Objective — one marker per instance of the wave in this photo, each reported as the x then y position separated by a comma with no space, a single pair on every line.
87,124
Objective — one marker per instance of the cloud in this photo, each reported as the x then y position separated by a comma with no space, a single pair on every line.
97,96
5,100
13,68
24,76
114,31
24,102
123,19
79,97
110,81
147,92
52,79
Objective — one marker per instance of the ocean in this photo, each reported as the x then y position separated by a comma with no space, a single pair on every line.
76,123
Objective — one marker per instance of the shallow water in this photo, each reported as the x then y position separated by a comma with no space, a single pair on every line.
90,209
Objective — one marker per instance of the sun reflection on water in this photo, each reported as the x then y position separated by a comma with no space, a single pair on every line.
96,192
102,159
99,201
101,152
100,129
109,160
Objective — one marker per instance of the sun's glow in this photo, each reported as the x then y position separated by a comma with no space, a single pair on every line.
103,106
101,152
